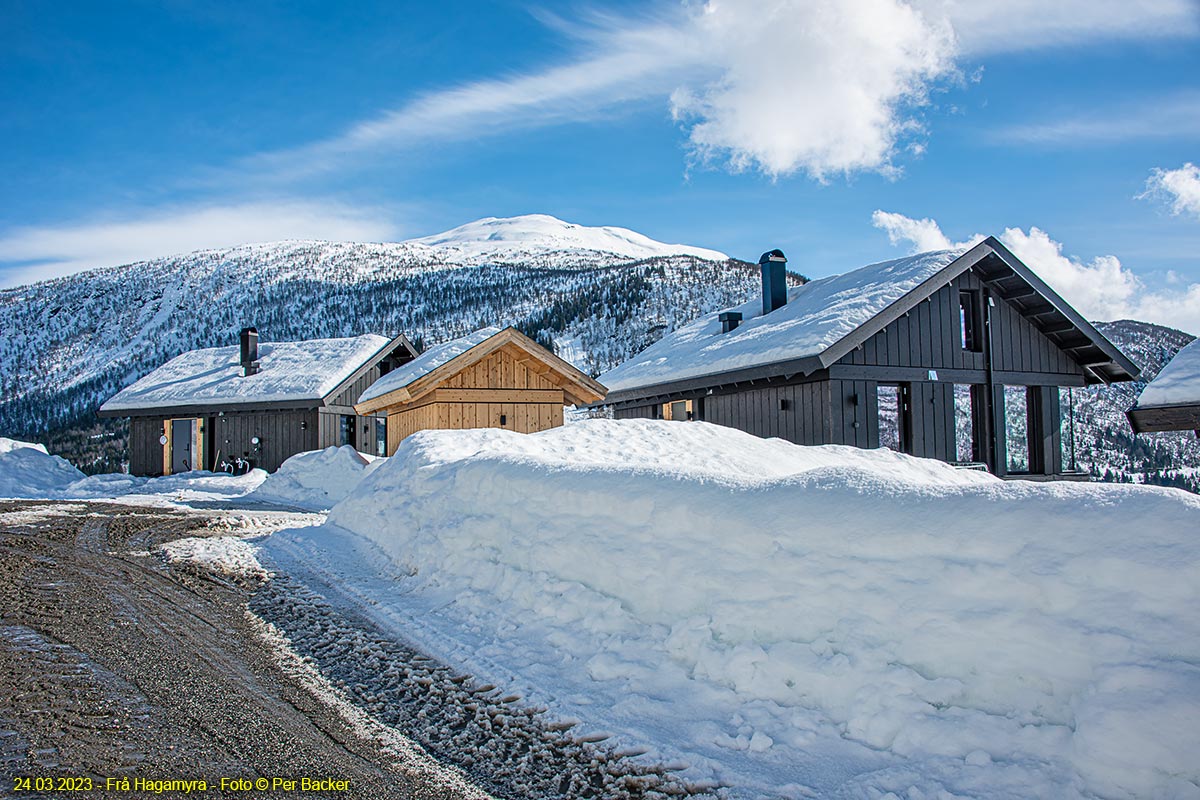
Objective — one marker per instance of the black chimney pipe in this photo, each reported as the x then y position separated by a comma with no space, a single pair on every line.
730,320
774,280
249,339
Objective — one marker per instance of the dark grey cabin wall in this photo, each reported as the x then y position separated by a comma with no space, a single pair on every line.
145,450
330,429
797,412
634,412
281,435
349,396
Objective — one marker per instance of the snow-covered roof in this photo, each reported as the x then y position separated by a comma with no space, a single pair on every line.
289,372
817,315
426,363
1178,383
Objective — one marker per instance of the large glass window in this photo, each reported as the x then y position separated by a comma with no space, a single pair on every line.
1067,431
346,430
965,435
381,436
888,399
1016,427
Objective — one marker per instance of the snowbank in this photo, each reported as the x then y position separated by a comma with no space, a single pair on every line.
806,620
315,480
184,486
27,470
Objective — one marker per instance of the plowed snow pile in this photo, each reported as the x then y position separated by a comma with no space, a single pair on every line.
798,621
27,470
316,479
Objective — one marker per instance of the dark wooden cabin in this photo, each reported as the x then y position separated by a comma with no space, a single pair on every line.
209,407
491,378
1171,402
958,356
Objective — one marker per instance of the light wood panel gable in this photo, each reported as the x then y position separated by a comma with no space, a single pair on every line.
508,360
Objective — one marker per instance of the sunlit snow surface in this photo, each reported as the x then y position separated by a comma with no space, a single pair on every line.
1178,383
510,238
795,621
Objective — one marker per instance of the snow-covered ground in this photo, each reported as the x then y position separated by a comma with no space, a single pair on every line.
27,470
785,621
790,621
316,480
312,481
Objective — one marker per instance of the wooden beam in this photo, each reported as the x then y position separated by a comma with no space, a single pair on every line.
497,395
1025,290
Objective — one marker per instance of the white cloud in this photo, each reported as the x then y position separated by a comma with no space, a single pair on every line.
38,253
997,26
1180,187
1167,116
818,87
1100,289
783,86
922,234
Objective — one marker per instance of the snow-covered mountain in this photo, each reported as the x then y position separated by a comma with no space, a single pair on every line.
518,239
598,294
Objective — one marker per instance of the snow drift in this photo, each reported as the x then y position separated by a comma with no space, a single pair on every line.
315,480
807,620
27,470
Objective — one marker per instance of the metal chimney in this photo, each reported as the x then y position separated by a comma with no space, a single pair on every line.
249,339
774,281
730,320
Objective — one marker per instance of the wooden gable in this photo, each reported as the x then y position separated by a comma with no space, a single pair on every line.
506,367
506,381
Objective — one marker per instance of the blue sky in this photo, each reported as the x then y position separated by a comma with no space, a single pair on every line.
136,129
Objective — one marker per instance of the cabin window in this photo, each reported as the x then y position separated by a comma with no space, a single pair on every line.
966,433
381,436
894,416
346,431
1067,431
1016,427
969,322
681,410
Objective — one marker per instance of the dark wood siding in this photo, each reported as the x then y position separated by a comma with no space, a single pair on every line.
634,412
929,337
282,434
145,451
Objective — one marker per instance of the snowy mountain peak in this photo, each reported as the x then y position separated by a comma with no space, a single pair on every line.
493,237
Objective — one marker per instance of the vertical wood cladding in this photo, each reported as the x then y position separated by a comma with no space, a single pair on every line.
504,370
281,435
929,336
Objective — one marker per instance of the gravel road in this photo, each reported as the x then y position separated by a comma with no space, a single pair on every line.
113,665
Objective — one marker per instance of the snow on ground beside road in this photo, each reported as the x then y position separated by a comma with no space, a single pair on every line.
315,480
196,485
224,555
796,620
27,470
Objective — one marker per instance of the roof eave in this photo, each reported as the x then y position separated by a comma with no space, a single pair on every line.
780,369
